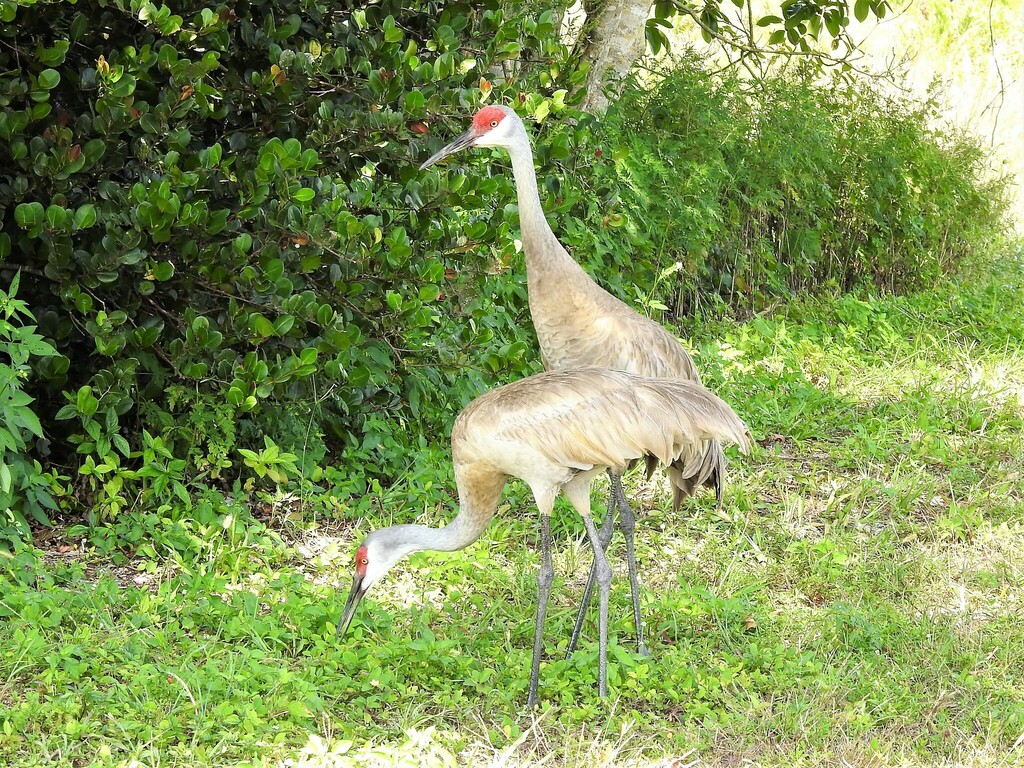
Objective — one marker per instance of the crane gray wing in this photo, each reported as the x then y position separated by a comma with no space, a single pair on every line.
596,417
612,336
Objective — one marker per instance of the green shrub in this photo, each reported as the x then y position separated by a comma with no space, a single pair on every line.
224,211
715,188
232,247
24,486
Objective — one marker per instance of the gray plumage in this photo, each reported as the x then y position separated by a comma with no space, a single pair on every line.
541,430
578,323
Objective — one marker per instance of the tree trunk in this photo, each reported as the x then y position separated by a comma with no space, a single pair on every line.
614,41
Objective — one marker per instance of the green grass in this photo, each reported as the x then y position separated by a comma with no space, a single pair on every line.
860,601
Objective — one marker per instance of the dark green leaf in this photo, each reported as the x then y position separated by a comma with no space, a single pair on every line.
48,79
29,215
85,216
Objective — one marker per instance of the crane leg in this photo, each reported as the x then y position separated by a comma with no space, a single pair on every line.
545,577
616,498
605,536
604,583
628,522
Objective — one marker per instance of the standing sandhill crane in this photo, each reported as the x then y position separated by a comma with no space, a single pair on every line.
556,431
579,323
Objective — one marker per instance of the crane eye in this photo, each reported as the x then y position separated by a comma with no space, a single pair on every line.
363,561
494,123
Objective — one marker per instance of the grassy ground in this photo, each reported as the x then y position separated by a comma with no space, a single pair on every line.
859,602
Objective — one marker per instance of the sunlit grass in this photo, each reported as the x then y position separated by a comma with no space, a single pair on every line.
858,601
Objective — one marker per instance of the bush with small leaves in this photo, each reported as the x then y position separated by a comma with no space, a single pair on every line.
703,191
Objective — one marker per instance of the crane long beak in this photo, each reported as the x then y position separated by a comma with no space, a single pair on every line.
354,596
465,140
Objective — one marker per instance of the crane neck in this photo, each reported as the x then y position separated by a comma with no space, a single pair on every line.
479,491
458,534
538,238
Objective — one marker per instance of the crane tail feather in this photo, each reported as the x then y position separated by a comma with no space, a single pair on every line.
706,470
651,462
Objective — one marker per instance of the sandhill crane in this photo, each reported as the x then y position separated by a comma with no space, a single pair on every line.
579,323
554,430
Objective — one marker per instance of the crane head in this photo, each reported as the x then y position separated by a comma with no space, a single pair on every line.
492,127
375,557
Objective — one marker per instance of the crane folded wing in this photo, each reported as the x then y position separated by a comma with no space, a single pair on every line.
595,417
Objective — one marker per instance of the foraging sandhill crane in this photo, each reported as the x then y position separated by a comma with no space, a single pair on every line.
579,323
556,431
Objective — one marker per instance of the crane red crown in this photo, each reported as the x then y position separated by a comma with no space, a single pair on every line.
486,116
361,561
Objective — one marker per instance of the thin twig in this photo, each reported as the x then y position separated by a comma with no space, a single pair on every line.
731,42
999,72
27,269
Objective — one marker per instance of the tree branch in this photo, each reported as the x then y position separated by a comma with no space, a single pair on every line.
755,50
25,268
